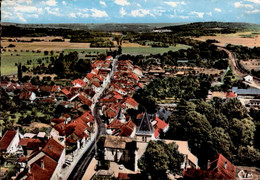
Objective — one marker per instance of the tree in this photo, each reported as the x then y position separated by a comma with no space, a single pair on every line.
160,157
119,51
19,73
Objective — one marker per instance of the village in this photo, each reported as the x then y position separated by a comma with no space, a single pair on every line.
109,88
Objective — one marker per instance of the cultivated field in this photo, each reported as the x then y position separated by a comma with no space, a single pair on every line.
152,50
251,64
10,58
24,51
45,46
244,38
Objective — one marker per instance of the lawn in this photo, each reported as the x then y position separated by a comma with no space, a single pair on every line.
10,58
151,50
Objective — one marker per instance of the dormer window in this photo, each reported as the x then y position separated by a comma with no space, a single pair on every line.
225,165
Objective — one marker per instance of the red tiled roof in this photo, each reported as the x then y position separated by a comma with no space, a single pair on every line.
49,88
65,91
40,173
111,114
57,120
95,83
79,81
25,95
89,76
61,128
7,139
123,176
125,130
109,57
26,141
229,172
139,116
131,101
118,96
115,124
48,100
134,76
22,159
53,149
230,95
85,100
138,67
220,168
159,126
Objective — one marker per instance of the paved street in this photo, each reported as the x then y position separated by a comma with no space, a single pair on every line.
84,162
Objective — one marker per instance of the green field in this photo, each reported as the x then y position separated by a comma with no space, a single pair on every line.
10,58
152,50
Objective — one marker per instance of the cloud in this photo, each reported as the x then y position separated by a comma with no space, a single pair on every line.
21,18
174,4
85,15
103,3
53,11
198,14
254,1
122,12
51,2
253,11
239,5
138,5
7,14
28,9
64,3
209,13
217,10
184,17
141,13
72,15
33,15
98,13
122,2
25,1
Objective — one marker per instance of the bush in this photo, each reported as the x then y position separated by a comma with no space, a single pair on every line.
11,45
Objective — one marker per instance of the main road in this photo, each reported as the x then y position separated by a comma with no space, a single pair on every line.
239,72
84,162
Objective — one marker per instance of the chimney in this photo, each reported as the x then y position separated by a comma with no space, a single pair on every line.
208,165
42,164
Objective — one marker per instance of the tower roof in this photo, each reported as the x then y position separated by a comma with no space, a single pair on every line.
145,127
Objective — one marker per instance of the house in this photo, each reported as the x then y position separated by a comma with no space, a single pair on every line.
78,83
219,168
46,163
27,95
28,145
249,93
109,58
190,160
138,71
130,103
248,78
121,150
9,142
159,126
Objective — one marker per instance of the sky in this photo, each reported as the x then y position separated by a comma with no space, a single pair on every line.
129,11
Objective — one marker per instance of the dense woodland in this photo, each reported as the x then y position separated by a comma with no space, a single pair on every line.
217,127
